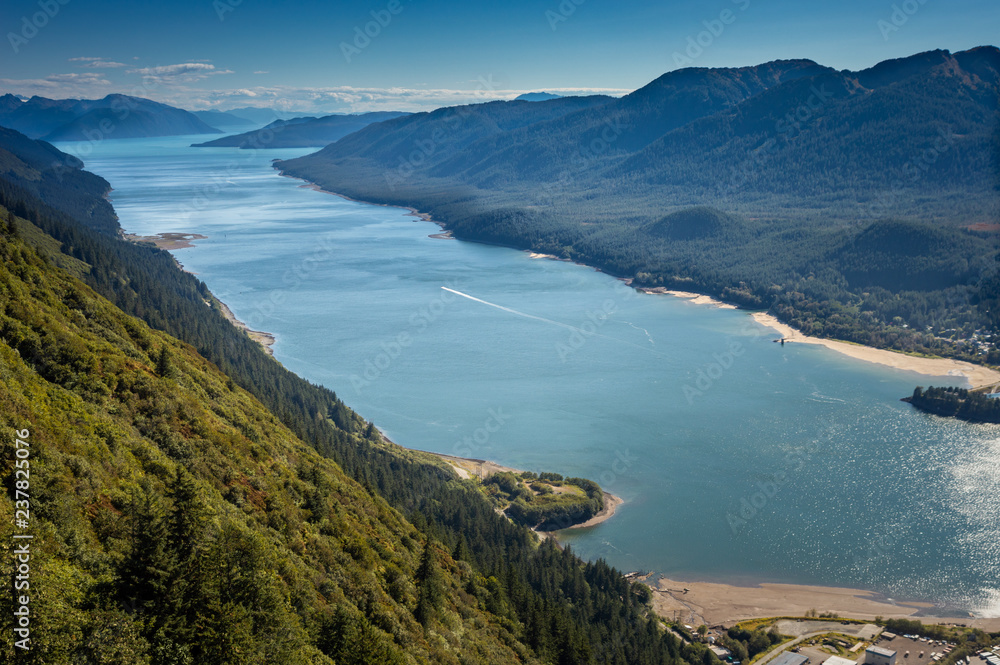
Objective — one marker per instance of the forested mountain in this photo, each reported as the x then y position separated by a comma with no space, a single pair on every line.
58,178
858,205
196,502
306,132
115,116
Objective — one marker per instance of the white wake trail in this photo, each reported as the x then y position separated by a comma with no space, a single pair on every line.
585,333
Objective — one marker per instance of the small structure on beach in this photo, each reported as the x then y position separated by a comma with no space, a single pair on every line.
879,656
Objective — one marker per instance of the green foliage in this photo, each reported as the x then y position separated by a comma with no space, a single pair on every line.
291,483
533,501
956,402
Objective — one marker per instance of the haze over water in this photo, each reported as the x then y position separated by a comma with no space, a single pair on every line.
740,460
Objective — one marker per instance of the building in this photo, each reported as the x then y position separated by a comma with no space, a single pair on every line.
720,652
789,658
837,660
879,656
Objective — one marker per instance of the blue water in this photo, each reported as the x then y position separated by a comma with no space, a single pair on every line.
740,460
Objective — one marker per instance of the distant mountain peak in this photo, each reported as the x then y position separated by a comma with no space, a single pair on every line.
536,97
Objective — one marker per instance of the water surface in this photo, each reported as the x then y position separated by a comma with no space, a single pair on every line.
740,460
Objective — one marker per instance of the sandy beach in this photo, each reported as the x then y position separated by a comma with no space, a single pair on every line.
977,375
262,338
611,503
168,241
724,604
695,298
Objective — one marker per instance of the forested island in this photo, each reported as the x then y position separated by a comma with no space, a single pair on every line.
974,406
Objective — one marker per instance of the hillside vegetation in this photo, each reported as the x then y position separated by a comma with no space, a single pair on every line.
196,502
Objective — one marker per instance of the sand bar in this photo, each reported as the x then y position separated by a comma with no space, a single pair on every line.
168,241
724,604
977,375
696,298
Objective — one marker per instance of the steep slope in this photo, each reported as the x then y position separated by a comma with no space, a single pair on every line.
48,173
175,513
302,132
558,607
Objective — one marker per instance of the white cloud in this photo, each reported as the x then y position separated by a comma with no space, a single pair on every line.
187,72
262,71
355,99
97,63
176,85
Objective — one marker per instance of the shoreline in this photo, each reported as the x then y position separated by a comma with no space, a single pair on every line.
168,240
726,604
694,298
466,467
978,376
265,339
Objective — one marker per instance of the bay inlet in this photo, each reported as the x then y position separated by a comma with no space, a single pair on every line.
740,460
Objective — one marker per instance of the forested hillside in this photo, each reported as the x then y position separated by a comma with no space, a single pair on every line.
196,502
856,205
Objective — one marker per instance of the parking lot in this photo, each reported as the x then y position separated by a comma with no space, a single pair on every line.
919,650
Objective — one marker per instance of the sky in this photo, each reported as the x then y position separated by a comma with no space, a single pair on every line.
412,55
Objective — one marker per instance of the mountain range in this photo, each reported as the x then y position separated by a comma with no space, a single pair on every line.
798,162
302,132
114,116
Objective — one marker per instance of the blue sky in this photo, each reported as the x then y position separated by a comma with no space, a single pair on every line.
307,55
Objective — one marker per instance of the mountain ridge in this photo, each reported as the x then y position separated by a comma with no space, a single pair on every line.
113,116
793,148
